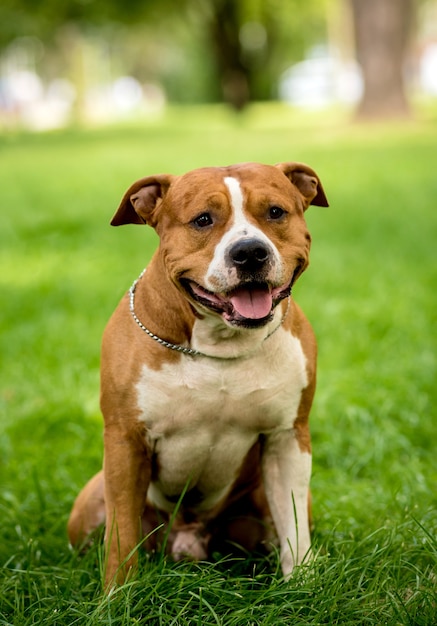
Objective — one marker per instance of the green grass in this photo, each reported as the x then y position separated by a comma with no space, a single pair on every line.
370,295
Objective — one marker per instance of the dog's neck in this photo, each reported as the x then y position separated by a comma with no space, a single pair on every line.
212,338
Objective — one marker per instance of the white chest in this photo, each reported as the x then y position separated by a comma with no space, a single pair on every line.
203,415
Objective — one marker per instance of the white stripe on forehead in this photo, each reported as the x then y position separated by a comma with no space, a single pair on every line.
237,199
239,227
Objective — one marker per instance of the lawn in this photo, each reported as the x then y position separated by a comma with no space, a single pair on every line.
370,293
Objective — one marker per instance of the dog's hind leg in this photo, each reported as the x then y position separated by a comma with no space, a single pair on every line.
88,512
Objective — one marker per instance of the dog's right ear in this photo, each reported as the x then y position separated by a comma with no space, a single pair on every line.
141,199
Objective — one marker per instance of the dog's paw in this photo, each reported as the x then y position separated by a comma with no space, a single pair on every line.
289,562
188,544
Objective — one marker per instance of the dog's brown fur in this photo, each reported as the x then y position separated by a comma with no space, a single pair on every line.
243,453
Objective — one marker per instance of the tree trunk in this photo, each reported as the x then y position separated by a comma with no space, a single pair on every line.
382,29
233,73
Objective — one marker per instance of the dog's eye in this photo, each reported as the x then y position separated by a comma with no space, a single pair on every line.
202,220
275,212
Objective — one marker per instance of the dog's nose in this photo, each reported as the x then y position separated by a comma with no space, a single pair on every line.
249,254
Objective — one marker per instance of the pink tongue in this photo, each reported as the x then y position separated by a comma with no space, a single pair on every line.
252,303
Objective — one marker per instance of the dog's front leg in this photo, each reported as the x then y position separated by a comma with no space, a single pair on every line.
286,475
127,470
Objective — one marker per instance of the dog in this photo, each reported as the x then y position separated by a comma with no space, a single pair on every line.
208,373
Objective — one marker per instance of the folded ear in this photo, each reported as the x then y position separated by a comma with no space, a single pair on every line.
141,199
307,182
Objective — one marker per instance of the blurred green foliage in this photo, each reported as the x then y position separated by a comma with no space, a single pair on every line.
191,47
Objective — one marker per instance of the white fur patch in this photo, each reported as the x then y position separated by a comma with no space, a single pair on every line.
237,201
203,415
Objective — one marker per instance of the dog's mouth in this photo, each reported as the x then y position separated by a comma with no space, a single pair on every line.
250,304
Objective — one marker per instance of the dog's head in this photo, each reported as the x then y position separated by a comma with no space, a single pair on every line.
233,239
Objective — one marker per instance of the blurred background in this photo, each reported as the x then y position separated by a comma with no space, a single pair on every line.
95,61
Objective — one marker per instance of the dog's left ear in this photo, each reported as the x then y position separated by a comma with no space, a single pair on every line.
307,182
141,199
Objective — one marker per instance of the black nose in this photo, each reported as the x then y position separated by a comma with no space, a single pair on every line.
249,254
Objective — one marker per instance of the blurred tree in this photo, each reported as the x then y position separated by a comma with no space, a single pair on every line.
234,71
255,40
241,46
382,30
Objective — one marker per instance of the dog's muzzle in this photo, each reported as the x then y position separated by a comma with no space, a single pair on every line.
252,299
250,305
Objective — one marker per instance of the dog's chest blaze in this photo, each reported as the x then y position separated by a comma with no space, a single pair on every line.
203,415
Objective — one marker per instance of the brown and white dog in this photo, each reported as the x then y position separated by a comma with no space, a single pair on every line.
208,372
